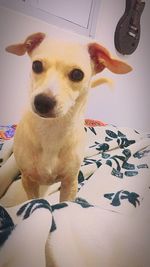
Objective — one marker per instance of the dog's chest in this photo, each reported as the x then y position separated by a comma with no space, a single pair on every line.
51,152
50,157
49,161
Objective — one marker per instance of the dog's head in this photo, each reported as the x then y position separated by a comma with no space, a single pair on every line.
61,72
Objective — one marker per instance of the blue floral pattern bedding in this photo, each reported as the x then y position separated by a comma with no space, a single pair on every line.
108,223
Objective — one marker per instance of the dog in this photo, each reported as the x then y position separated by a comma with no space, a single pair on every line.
49,141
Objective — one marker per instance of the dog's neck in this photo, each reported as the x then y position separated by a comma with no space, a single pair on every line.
77,113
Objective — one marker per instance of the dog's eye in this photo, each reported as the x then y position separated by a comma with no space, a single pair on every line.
37,66
76,75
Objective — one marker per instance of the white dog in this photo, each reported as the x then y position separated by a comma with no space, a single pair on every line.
50,139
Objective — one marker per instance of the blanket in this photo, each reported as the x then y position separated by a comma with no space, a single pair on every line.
108,223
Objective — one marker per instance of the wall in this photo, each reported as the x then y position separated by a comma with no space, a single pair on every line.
129,103
126,105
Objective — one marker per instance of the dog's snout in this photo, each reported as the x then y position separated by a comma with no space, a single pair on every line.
44,104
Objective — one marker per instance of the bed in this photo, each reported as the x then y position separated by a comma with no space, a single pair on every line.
108,224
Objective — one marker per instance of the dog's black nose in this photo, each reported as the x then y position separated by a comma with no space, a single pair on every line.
44,104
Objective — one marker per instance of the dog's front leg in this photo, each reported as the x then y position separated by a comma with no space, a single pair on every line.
69,188
31,187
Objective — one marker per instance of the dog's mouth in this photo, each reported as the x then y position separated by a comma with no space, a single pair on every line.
45,106
47,115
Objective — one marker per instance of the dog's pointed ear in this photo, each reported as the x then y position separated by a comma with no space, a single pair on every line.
101,59
28,45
